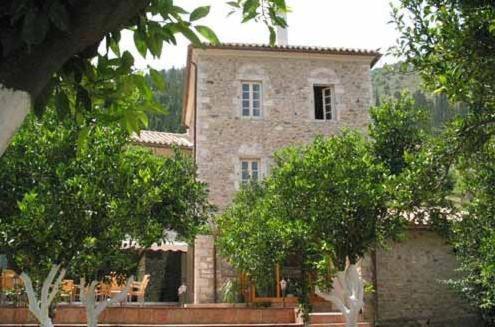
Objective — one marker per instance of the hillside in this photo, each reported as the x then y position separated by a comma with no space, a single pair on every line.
390,81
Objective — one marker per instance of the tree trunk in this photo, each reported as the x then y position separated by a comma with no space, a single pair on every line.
347,294
41,309
29,70
14,106
94,308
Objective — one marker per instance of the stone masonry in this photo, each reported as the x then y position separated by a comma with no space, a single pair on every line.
204,272
410,284
224,137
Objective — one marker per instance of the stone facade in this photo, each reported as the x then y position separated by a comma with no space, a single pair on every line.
409,284
224,137
204,270
407,277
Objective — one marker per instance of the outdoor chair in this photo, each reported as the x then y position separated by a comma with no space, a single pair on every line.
138,289
68,290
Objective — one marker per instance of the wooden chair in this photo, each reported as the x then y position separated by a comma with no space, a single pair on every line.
9,280
138,289
68,290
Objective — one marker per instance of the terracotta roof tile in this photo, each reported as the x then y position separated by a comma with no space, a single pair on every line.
162,139
293,48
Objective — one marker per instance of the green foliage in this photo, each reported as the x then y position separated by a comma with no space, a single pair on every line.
100,82
231,292
171,99
60,203
398,129
473,236
323,202
451,44
391,80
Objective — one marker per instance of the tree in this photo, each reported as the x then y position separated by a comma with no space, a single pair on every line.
451,44
324,202
48,48
473,235
397,128
73,206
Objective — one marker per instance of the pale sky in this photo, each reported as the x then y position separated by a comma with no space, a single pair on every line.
331,23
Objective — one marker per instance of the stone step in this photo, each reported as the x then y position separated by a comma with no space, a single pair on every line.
326,318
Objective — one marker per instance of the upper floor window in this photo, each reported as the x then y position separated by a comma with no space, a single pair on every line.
251,99
324,108
250,170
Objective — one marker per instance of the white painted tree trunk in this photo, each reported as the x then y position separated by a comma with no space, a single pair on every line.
41,308
95,308
347,294
14,106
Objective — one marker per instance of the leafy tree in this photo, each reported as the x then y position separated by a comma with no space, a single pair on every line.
324,202
451,44
397,128
49,48
60,204
473,235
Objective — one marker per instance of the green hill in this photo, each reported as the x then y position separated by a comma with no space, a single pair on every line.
391,80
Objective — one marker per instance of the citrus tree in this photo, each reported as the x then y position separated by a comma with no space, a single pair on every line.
324,204
50,48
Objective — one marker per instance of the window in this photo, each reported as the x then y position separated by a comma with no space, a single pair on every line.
323,102
251,99
250,170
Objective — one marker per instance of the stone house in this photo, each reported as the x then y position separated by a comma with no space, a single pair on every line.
243,102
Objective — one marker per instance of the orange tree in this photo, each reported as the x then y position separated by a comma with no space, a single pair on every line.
49,49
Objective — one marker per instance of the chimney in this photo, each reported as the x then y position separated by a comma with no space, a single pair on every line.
283,33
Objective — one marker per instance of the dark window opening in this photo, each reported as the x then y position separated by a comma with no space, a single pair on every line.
323,102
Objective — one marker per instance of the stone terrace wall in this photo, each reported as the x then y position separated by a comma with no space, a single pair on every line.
410,291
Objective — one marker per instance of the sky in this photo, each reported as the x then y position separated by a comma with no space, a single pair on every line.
332,23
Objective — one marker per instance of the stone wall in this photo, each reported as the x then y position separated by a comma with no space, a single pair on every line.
409,286
204,272
224,137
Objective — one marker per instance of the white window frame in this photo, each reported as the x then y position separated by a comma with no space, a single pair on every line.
250,169
326,103
251,99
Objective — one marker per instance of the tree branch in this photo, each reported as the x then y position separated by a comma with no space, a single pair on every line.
30,70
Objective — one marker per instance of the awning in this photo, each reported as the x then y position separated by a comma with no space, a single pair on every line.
163,246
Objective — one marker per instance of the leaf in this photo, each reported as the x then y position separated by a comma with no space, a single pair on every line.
83,99
273,35
199,13
62,104
35,26
207,33
140,43
158,79
82,140
188,33
234,4
59,16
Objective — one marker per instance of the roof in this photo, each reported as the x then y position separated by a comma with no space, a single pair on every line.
296,48
155,138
